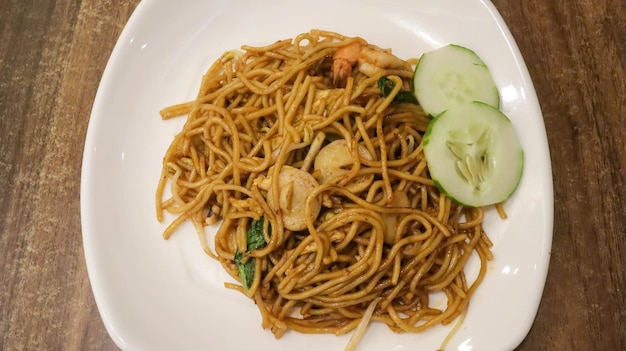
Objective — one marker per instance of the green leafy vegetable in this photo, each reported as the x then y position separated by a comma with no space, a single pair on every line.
246,270
330,137
386,86
255,240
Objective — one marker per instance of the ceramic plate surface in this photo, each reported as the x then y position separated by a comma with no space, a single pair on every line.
154,294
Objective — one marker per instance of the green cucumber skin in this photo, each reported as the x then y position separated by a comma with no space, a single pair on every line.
469,54
515,160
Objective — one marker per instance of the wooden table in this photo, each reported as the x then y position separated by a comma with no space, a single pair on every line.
52,55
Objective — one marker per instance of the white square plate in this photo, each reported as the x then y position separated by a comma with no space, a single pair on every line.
154,294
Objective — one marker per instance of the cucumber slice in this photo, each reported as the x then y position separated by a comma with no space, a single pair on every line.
452,75
473,154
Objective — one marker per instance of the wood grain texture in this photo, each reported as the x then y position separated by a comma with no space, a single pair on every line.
576,54
53,53
52,56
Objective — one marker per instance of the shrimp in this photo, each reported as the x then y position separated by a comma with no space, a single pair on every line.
370,59
344,58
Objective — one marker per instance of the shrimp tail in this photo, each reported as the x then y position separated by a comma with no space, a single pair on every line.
342,69
344,58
